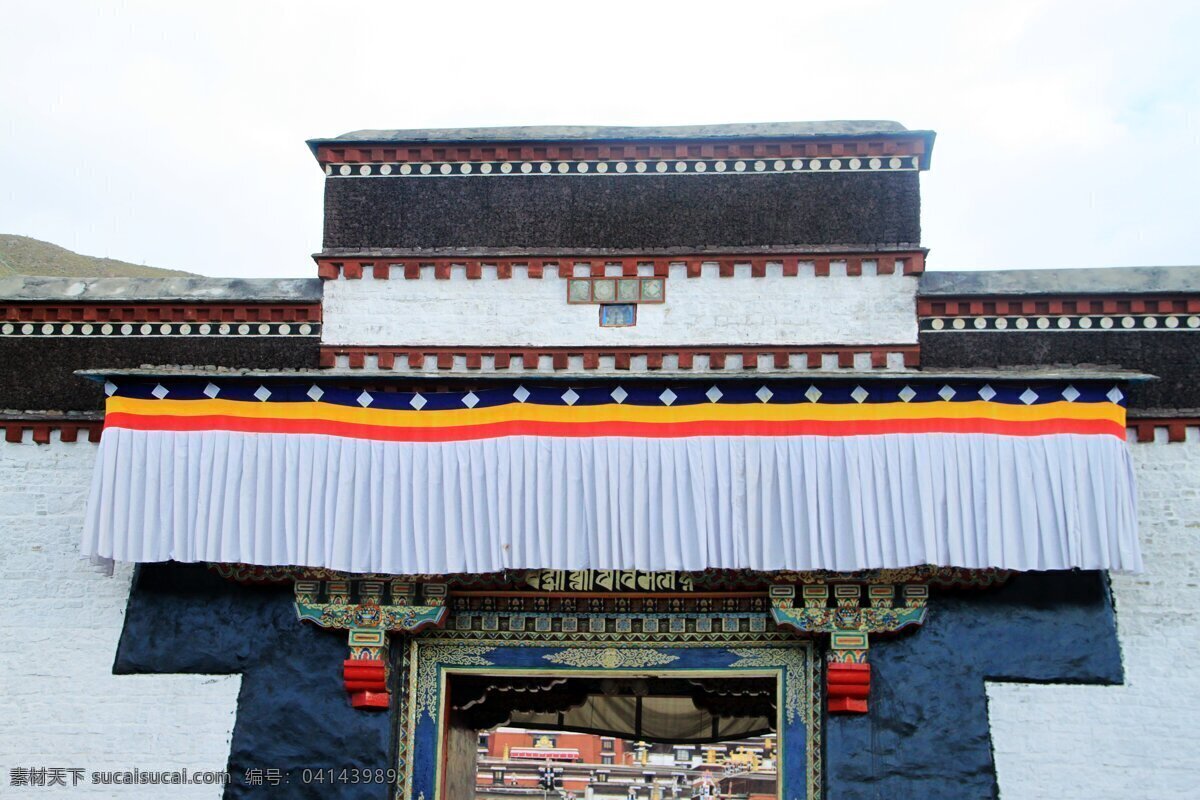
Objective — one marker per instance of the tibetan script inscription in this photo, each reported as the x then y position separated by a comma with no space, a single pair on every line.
608,580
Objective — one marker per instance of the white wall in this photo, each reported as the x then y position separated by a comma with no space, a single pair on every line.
708,310
60,704
1140,739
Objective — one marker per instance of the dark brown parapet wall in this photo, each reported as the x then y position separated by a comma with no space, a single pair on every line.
787,184
634,212
1140,318
51,327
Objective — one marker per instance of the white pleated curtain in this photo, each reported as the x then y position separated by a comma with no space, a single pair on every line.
787,503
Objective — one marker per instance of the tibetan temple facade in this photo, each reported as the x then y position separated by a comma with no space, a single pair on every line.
640,435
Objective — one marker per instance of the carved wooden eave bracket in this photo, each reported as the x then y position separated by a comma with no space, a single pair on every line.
362,608
837,610
622,608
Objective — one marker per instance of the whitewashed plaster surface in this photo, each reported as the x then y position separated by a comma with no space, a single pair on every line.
708,310
63,707
1138,740
60,704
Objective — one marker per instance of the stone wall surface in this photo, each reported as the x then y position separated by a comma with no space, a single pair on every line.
61,704
707,310
1139,739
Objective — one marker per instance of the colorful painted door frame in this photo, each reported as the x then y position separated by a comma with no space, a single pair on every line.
405,632
423,724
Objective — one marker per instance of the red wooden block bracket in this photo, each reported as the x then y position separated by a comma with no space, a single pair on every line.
847,687
846,705
370,701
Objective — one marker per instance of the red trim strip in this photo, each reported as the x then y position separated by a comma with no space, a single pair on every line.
833,147
643,430
159,312
1176,428
69,430
779,356
725,265
1056,306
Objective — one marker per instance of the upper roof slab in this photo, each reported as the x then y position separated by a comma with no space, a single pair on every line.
611,133
1091,281
37,289
343,148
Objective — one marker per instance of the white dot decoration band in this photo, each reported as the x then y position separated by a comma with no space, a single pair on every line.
1046,323
615,167
118,330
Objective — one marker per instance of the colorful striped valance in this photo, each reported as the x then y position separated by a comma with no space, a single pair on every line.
825,475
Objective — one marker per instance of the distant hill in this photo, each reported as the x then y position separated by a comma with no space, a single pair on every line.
21,255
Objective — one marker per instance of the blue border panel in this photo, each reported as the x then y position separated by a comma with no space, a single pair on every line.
637,392
926,736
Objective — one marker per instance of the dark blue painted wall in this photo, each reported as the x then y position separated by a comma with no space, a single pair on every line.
927,734
292,711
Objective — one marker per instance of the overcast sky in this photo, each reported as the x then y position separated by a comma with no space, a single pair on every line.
172,133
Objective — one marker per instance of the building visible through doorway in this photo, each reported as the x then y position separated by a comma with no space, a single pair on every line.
616,739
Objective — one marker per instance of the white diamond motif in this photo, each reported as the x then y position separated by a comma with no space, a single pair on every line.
470,400
764,394
315,393
364,399
668,397
713,394
417,402
987,392
859,394
159,391
521,394
813,394
262,393
211,391
570,397
907,394
946,393
1070,394
1115,395
619,394
1028,397
110,388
